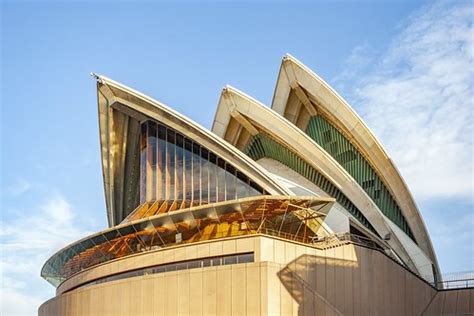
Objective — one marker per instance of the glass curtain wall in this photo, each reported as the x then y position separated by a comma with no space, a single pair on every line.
176,169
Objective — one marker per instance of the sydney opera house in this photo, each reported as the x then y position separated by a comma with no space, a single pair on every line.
288,209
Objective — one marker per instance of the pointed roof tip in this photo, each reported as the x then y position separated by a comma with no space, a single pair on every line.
228,88
292,59
288,56
96,77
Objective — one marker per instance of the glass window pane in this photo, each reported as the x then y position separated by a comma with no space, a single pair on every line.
165,229
188,167
221,179
230,260
194,264
99,239
246,258
212,171
151,165
205,181
162,159
184,222
159,269
111,234
179,167
254,189
230,180
241,185
170,164
181,266
143,157
170,267
143,234
196,174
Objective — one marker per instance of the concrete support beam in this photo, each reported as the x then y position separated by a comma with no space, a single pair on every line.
296,87
244,122
236,114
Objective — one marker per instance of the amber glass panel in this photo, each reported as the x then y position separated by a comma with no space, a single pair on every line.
151,158
170,165
179,167
188,170
281,217
143,158
196,174
162,159
206,177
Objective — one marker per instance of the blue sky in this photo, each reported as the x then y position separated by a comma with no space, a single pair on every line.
405,66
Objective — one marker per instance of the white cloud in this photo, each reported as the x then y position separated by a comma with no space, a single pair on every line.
14,302
418,99
19,187
26,243
358,61
59,209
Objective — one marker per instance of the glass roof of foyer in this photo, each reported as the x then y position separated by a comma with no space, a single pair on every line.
298,218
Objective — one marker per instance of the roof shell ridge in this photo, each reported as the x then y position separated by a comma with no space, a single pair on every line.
327,86
309,72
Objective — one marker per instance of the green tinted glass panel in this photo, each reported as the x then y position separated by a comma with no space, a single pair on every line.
261,146
347,155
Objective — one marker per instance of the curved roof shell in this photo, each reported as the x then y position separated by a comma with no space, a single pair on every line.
300,94
235,105
121,110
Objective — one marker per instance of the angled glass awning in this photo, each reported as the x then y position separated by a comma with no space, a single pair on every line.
297,218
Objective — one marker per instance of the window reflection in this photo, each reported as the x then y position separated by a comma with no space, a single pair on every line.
176,169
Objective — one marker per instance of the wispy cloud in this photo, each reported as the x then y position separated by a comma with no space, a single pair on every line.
26,243
358,62
16,299
418,98
19,187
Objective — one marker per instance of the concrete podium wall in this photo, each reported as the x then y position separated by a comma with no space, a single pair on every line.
287,278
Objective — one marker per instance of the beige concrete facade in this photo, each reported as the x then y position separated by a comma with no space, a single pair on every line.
287,278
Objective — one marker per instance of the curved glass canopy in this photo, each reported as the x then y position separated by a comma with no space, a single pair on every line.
297,218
